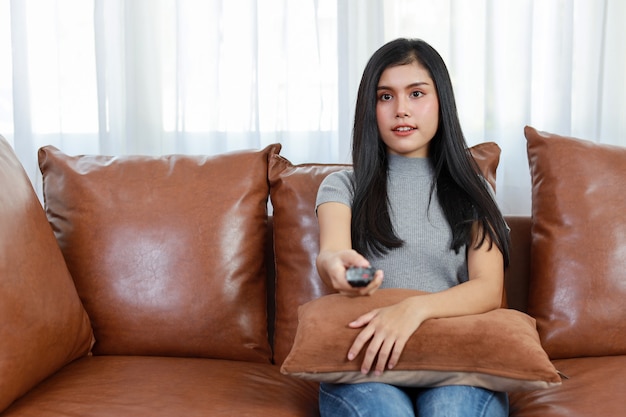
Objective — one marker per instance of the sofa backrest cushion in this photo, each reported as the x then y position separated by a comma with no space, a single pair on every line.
43,325
577,288
293,190
167,252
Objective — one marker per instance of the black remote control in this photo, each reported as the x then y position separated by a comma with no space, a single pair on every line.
360,277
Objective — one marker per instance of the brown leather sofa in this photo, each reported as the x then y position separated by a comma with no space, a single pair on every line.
161,287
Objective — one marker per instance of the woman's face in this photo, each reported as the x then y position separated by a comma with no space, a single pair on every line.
407,110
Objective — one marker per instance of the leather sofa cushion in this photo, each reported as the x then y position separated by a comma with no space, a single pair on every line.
578,249
143,386
595,387
44,325
167,253
293,189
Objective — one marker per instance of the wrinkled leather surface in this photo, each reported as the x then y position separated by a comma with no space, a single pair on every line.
167,253
43,325
293,190
106,386
578,255
596,387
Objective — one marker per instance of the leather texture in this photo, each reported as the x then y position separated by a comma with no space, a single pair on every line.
43,324
578,254
143,386
487,156
175,244
595,388
293,189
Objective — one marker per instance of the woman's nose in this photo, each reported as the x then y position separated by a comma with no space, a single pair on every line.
402,108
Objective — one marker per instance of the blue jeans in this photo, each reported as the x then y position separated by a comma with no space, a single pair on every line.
372,399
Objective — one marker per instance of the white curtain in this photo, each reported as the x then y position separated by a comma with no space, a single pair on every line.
205,77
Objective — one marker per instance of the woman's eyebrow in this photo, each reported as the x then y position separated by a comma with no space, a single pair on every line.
412,85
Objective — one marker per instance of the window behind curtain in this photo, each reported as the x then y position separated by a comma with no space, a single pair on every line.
204,77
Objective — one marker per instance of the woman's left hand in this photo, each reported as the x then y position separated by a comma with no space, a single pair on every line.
387,329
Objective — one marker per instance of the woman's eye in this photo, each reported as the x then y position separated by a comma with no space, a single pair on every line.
385,97
417,94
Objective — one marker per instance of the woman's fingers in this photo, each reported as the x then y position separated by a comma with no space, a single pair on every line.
398,347
385,336
379,346
364,336
383,355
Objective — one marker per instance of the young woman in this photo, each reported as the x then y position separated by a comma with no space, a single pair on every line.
416,207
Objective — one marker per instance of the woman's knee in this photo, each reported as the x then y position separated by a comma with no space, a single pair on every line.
363,400
462,401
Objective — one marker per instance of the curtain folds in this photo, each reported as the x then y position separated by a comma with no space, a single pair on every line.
204,77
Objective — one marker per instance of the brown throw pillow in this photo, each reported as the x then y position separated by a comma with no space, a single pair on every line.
44,325
578,256
293,190
168,253
499,350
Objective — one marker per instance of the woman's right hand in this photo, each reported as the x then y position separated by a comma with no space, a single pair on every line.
336,254
332,266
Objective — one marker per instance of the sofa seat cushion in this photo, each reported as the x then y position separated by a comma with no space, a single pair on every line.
595,388
111,386
167,252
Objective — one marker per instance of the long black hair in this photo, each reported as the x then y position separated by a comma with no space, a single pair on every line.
460,188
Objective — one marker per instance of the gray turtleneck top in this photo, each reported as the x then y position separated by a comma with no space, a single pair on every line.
425,261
